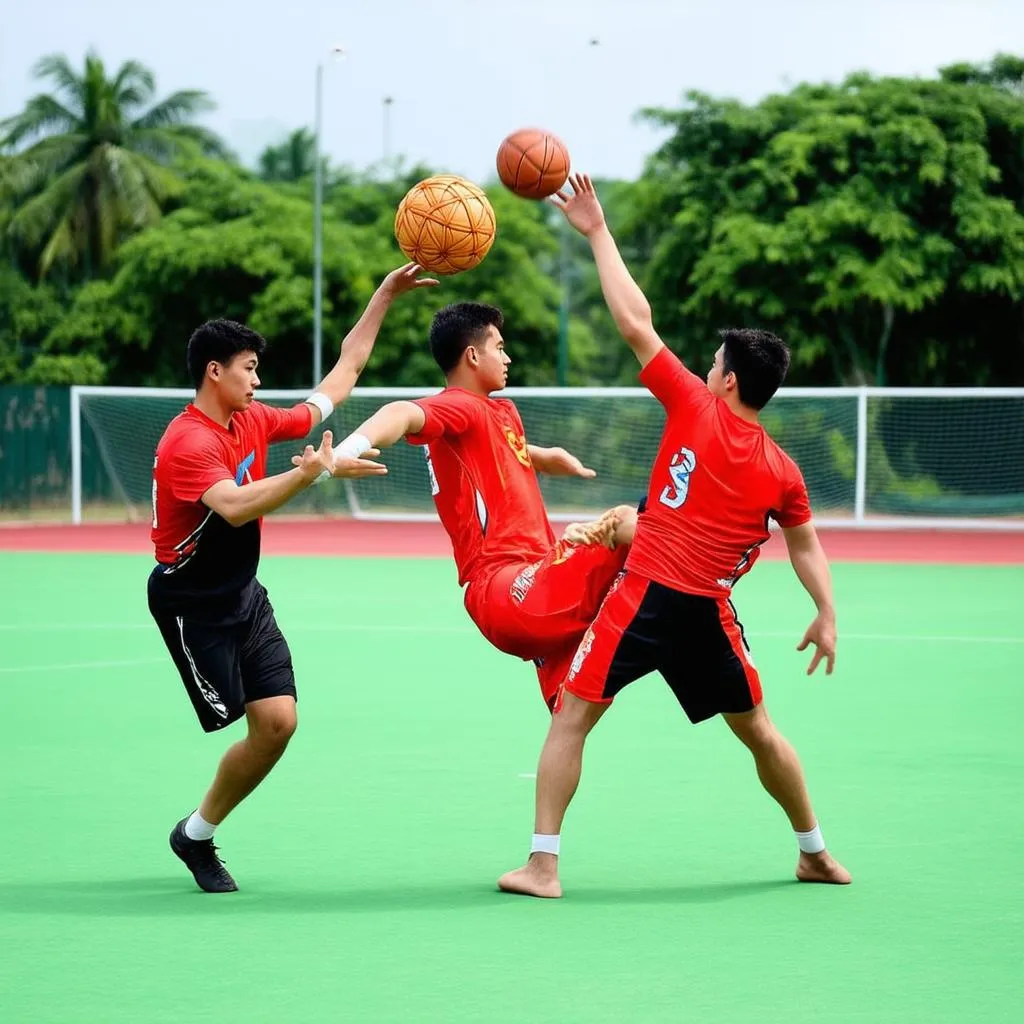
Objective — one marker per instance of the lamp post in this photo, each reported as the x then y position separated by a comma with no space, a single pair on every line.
564,280
387,102
318,202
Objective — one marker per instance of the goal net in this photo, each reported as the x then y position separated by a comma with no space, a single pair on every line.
869,456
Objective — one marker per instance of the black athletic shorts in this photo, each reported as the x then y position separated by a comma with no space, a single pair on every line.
226,659
696,643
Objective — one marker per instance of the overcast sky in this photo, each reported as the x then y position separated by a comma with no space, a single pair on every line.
463,73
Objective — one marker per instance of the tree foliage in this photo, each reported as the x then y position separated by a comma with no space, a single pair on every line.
92,162
878,224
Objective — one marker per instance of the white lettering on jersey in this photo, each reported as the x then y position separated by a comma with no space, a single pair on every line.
434,489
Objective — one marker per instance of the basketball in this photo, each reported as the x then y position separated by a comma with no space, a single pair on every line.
533,163
445,224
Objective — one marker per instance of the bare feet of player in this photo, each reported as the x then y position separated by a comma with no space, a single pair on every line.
599,531
539,877
822,867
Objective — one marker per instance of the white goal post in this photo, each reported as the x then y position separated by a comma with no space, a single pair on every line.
873,458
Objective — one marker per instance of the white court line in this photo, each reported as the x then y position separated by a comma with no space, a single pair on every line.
384,627
78,665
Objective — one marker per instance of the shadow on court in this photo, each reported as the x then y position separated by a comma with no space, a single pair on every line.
148,897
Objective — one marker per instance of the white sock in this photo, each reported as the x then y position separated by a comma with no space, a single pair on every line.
197,827
545,844
810,842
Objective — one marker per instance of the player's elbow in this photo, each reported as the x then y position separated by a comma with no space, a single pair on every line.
637,328
231,506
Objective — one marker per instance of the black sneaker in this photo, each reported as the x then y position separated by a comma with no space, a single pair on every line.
200,857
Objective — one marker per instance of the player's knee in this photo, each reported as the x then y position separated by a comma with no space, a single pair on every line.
574,714
754,729
625,526
272,731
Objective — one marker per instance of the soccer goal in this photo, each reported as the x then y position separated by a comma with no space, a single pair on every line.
872,457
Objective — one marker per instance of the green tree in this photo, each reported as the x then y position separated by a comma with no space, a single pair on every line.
91,163
241,248
878,225
292,160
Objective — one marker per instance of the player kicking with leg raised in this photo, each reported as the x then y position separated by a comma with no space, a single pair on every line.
209,494
717,479
529,595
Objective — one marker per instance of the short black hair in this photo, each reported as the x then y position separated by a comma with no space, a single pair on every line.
458,326
219,341
760,361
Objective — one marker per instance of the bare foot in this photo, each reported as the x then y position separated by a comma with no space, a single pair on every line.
532,880
600,531
821,867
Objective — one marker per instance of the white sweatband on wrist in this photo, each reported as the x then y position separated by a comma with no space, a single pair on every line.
322,402
810,842
545,844
354,446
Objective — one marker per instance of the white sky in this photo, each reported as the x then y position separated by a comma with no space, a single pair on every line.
463,73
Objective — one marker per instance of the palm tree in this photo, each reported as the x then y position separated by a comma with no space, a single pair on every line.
97,163
293,160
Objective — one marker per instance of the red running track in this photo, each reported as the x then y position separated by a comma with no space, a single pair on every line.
347,538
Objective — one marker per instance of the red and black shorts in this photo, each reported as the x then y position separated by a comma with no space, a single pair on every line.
539,611
696,644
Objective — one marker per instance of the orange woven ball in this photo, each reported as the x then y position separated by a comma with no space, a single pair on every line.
533,163
445,224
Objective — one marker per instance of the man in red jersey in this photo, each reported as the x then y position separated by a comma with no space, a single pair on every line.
209,496
717,479
530,595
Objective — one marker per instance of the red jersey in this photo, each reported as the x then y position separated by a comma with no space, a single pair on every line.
716,481
483,482
199,553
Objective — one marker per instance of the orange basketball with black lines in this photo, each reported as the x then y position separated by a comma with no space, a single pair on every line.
533,163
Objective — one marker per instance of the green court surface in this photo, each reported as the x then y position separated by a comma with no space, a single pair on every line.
367,861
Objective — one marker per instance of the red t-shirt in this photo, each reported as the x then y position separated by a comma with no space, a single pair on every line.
483,482
716,481
200,553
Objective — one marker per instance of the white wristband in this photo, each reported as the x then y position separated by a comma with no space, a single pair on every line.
322,402
353,447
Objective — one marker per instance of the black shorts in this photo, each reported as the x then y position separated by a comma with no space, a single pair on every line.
696,644
225,662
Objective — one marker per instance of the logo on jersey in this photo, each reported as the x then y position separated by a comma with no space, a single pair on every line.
434,488
683,463
242,474
518,445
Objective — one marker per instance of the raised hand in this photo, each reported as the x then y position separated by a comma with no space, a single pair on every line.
406,279
322,462
581,208
315,461
822,633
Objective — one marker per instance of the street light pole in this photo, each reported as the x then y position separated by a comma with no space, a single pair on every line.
564,279
388,100
318,220
318,244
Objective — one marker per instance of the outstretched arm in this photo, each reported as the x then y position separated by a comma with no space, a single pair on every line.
242,504
811,566
388,425
626,302
558,462
359,342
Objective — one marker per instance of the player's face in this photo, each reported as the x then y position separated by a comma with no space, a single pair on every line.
720,383
237,381
492,361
